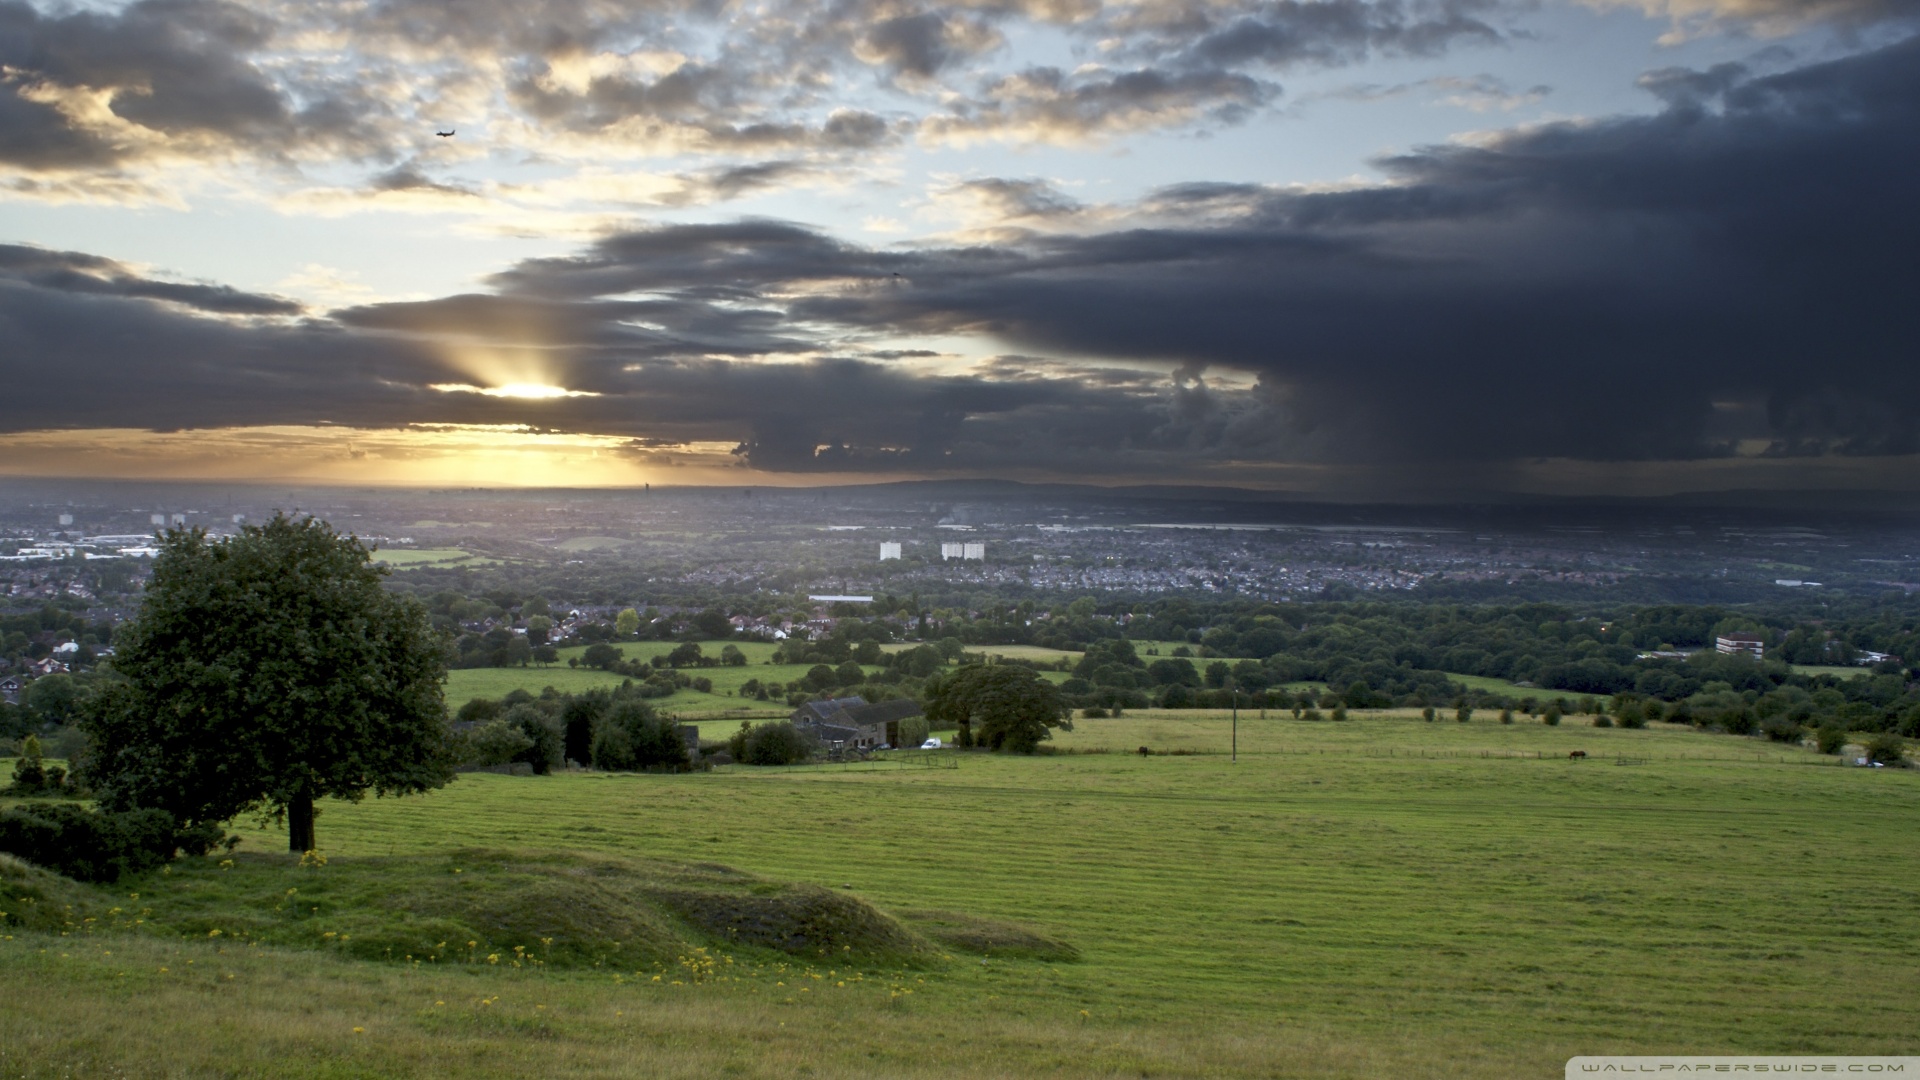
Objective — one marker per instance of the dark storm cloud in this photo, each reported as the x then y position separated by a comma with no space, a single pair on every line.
1586,290
1576,289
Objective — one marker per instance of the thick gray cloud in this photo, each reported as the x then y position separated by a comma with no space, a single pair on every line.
65,272
1737,266
1598,290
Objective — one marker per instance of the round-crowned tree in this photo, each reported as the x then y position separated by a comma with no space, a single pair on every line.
1001,707
265,671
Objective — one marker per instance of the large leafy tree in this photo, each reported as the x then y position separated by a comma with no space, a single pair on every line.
999,706
265,671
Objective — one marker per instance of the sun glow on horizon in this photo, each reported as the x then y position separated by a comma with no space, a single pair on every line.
534,391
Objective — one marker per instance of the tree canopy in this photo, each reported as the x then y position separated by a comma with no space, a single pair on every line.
264,671
999,706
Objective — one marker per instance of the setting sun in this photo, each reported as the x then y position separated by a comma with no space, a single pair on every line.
514,390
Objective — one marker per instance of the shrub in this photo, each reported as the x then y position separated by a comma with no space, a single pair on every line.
496,742
778,743
544,742
1632,717
914,730
89,846
30,772
1427,714
1506,716
1552,716
613,749
1603,720
632,736
1463,714
1310,714
479,711
1093,712
1830,739
1340,711
601,655
1782,730
1887,748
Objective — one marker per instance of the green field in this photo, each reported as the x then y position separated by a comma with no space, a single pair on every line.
1836,670
592,543
1507,689
1011,652
1378,898
465,684
413,558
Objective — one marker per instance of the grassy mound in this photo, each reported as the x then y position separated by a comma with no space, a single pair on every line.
804,920
36,899
469,907
989,937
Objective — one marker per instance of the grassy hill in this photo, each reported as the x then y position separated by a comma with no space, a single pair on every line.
1383,897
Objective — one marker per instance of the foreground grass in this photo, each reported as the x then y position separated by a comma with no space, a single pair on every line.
1374,898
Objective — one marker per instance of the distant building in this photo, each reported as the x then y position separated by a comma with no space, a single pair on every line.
839,598
158,519
1738,644
973,551
889,551
854,722
952,551
179,519
66,519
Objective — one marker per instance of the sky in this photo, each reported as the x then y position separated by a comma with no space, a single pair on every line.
1364,249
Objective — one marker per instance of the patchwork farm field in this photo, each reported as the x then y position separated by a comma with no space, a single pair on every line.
465,684
1382,897
409,558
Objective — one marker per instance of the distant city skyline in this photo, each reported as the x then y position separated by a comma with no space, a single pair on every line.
1347,249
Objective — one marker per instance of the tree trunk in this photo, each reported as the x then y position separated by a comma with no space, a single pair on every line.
300,823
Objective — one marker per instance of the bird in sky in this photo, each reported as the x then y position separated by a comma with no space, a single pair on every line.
444,134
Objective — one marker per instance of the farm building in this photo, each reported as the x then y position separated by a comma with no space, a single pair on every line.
854,721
